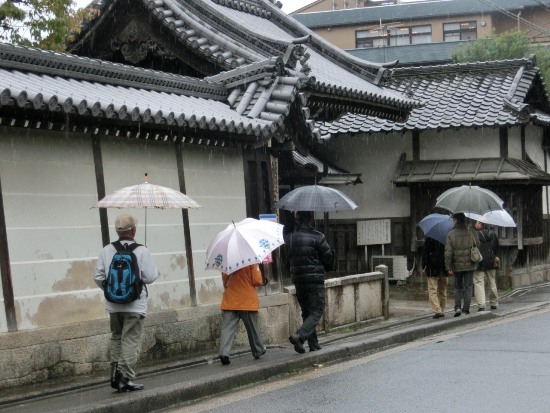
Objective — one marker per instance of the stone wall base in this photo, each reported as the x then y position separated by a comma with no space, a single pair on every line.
32,356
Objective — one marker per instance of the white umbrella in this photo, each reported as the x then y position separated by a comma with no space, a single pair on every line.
315,198
499,218
469,199
242,244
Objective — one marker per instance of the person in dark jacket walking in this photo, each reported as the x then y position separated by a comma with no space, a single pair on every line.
433,262
488,246
458,262
309,255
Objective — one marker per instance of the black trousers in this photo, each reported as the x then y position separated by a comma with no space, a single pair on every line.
311,297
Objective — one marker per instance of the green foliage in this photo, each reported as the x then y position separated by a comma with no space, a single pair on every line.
46,24
510,45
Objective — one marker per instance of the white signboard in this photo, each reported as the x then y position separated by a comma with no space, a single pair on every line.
374,232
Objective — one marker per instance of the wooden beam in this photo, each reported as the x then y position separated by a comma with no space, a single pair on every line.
186,229
100,185
5,270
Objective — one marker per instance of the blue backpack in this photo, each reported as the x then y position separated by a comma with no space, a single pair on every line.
123,283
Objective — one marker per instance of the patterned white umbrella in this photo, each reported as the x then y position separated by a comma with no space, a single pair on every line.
242,244
315,198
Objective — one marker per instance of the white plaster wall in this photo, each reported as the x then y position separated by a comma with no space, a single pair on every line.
533,148
514,142
533,145
464,143
376,157
54,235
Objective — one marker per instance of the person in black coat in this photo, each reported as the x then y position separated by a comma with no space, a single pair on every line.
486,271
310,256
433,263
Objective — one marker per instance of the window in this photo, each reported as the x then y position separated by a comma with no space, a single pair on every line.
453,32
395,36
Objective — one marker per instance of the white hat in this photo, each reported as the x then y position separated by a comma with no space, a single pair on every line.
125,222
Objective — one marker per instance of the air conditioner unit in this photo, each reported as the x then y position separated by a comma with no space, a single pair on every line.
397,266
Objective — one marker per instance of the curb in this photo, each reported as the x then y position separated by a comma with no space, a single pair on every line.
343,349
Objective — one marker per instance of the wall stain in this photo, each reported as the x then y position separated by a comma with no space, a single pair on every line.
67,309
165,300
210,292
43,255
79,277
177,261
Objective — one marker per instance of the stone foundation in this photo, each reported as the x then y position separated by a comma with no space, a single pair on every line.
31,356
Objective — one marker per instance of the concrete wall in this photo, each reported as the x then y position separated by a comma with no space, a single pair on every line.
350,301
527,276
63,351
54,236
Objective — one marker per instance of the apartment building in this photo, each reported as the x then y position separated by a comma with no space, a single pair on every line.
377,30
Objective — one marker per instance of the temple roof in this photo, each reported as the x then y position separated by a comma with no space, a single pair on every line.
231,34
43,89
482,94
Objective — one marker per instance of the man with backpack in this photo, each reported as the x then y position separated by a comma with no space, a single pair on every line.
123,269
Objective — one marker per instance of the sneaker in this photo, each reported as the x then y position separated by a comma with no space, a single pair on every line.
466,311
225,360
480,309
457,312
494,307
438,315
314,347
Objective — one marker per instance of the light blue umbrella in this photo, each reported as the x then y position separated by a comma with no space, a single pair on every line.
436,226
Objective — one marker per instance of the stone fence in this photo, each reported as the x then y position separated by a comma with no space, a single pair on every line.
33,356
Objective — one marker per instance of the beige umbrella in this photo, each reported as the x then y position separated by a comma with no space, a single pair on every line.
146,196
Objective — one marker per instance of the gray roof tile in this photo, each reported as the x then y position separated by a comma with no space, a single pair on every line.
469,170
453,97
89,90
244,32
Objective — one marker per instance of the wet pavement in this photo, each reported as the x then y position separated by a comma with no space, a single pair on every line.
177,383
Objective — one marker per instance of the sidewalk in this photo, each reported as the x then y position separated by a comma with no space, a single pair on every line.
192,379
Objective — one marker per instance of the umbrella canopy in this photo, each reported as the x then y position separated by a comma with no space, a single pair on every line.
436,226
315,198
499,218
146,195
242,244
469,199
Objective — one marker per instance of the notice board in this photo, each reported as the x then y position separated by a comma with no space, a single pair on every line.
374,232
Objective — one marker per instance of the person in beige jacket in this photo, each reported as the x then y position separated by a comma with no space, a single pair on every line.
458,262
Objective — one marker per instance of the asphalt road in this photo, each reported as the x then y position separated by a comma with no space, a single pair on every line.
499,366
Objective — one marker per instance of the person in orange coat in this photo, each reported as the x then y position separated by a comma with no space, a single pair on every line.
240,302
